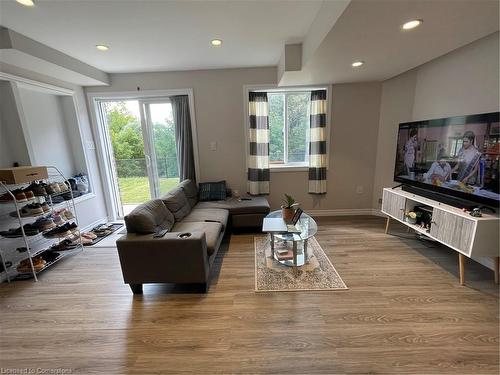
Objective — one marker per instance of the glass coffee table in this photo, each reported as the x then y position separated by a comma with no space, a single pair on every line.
308,228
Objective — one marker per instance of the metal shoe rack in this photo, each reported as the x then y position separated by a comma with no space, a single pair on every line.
10,217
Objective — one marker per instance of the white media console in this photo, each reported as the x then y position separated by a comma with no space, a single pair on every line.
469,236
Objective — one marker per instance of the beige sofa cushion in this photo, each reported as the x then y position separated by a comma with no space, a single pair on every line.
149,217
177,203
212,232
208,214
191,191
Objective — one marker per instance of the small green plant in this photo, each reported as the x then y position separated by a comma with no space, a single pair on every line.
289,201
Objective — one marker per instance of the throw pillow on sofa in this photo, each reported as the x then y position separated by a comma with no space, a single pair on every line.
212,191
177,203
149,217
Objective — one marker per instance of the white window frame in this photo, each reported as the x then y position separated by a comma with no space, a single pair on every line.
98,128
286,167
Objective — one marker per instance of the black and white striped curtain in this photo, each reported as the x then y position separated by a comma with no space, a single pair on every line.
258,160
317,143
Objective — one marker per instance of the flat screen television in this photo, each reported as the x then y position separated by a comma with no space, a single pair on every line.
455,156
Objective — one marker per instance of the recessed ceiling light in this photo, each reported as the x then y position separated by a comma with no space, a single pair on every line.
102,47
357,64
411,24
28,3
216,42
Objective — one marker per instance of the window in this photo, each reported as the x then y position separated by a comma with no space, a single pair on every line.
289,128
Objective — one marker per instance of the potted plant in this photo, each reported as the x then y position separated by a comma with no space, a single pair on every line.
411,217
288,208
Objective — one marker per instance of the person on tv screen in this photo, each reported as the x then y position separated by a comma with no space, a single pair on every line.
440,170
468,160
411,147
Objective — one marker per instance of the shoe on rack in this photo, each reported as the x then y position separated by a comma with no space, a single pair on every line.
72,184
90,235
48,189
63,187
25,265
68,196
29,194
66,244
58,232
68,215
55,187
29,230
38,189
58,219
18,194
32,209
50,256
57,199
87,241
44,223
45,207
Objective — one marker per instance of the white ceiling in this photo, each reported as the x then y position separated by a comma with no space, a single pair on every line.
164,35
370,31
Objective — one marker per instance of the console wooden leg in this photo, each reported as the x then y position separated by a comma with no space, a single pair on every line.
387,225
461,265
497,269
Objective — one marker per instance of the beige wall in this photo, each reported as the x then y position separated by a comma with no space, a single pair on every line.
462,82
355,113
218,97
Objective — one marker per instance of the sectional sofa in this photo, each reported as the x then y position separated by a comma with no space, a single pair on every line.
186,253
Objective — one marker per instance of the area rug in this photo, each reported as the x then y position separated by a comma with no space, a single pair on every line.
316,275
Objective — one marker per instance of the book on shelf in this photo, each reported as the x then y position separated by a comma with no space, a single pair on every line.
285,256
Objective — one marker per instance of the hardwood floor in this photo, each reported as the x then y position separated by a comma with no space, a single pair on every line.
405,313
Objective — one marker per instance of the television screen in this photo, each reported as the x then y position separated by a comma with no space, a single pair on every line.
457,155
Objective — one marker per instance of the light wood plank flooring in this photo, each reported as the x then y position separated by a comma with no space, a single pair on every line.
404,313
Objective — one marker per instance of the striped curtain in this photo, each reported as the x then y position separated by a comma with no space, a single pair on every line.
317,143
258,160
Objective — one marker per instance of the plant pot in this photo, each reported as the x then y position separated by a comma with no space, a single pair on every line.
287,214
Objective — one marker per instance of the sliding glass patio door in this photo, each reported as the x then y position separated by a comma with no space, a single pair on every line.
139,142
160,146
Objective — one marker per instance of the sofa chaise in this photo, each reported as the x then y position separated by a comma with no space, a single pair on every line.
185,254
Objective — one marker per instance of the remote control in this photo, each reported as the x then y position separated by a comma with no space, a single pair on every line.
161,233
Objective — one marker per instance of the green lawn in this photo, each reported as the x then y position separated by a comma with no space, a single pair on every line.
136,189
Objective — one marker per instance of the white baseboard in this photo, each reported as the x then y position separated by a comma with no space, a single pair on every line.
346,212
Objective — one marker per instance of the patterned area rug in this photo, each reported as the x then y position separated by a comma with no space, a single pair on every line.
272,276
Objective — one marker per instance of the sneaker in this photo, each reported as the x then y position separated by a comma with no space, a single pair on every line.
37,189
48,188
33,209
29,194
18,194
55,187
68,215
29,230
58,219
44,223
65,245
63,187
61,231
86,241
90,235
50,256
45,207
72,227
